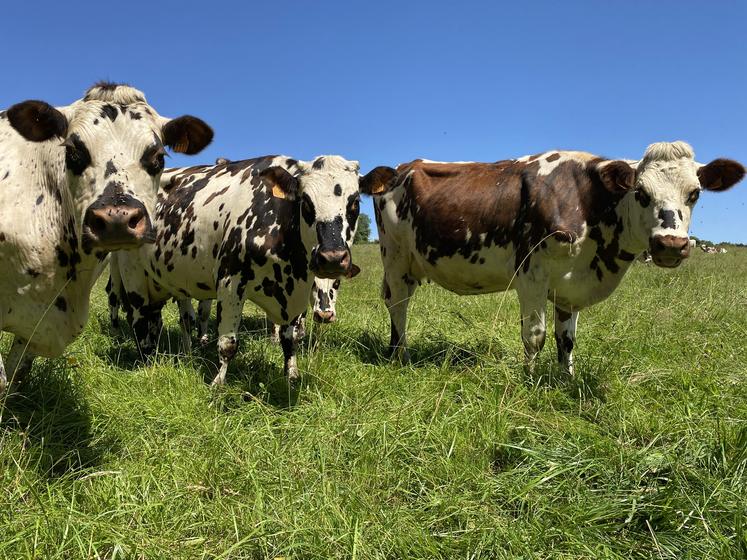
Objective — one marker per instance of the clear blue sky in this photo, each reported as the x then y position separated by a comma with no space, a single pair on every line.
386,82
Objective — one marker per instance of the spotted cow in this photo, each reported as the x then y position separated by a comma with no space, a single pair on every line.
259,229
75,183
560,226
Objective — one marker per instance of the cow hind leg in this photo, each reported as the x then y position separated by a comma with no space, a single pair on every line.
565,338
397,291
203,316
228,311
186,322
273,331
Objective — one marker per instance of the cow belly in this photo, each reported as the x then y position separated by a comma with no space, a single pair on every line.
47,329
463,277
580,290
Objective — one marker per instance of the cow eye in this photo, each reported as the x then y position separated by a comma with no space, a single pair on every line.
643,198
152,160
694,196
336,284
77,157
307,210
355,205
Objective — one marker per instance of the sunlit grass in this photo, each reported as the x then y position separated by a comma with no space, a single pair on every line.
459,455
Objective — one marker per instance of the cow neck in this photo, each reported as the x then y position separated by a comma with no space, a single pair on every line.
628,241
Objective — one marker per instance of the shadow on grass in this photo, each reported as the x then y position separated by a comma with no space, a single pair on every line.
50,410
437,351
587,382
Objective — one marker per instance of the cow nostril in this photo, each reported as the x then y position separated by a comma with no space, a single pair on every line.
135,220
98,225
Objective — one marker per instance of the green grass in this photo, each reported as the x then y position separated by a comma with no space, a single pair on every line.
459,455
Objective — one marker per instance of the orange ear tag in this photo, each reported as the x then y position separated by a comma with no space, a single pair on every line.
277,192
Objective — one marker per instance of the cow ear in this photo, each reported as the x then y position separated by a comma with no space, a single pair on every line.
617,176
354,271
377,181
187,134
720,175
282,184
37,121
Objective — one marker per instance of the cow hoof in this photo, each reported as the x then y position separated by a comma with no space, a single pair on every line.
218,381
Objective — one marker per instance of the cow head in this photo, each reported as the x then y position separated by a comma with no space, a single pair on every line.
114,146
324,299
327,190
661,191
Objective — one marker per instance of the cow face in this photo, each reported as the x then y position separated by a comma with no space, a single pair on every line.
327,191
667,186
324,299
114,146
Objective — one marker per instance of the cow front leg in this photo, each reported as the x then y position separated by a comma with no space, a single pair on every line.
114,290
112,295
186,322
288,342
203,317
228,311
533,304
565,337
397,289
19,362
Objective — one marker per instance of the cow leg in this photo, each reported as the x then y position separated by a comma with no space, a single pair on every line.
19,361
397,289
273,331
113,298
301,329
114,290
288,342
533,304
146,322
203,316
229,309
186,322
565,337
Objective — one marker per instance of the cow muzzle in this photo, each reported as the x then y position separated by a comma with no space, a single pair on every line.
325,316
116,227
668,251
332,264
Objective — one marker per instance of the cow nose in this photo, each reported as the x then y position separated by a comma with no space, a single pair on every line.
333,263
669,250
325,316
117,227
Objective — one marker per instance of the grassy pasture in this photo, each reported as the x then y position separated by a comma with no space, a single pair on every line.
459,455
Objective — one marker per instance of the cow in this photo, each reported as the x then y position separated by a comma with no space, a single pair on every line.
260,229
75,183
561,226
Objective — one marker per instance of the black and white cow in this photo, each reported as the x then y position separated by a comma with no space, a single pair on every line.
75,182
558,226
259,229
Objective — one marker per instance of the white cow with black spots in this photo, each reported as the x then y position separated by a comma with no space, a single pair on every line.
260,229
75,183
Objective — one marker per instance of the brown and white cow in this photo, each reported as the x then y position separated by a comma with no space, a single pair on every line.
75,183
559,226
